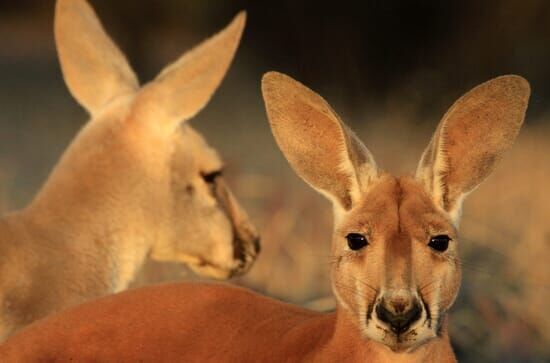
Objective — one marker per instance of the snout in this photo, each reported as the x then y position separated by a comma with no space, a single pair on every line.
398,315
245,252
246,240
399,319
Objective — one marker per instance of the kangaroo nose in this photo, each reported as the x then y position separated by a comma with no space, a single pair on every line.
399,318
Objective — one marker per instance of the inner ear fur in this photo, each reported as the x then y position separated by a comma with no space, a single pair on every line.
319,147
472,136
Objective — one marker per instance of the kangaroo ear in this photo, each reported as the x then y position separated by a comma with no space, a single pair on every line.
471,138
183,88
93,67
316,143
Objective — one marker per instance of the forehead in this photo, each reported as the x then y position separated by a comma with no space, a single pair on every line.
395,206
191,149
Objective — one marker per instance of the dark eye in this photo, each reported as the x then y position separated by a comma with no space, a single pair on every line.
356,241
440,243
211,177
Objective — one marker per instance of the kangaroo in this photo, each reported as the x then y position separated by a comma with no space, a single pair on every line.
134,182
395,273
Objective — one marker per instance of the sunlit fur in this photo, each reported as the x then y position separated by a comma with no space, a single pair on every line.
130,185
398,216
208,230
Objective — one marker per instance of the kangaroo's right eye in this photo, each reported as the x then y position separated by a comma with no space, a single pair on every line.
211,177
356,241
440,243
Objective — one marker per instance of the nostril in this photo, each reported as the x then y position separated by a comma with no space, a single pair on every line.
257,245
382,313
413,314
398,322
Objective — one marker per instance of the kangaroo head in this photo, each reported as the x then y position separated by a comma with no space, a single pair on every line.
135,164
210,231
396,269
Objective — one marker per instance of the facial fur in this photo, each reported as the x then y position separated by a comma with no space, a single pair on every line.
398,218
211,232
396,270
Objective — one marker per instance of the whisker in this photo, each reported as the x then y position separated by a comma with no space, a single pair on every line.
421,289
347,287
364,283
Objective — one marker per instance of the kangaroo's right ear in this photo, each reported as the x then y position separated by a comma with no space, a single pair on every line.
317,144
184,87
93,67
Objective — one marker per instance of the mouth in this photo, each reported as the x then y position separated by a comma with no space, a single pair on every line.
421,332
209,269
404,342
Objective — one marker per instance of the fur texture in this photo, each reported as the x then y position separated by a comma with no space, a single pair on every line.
396,270
133,183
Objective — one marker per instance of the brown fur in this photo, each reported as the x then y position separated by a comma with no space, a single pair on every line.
210,323
130,185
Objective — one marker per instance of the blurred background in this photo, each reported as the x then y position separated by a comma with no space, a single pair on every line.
390,69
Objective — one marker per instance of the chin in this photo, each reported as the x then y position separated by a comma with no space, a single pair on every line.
211,271
399,343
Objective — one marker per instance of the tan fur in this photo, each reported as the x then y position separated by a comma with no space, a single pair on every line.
398,215
131,184
304,126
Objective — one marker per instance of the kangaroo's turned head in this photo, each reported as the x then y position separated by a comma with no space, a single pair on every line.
396,269
151,185
135,182
209,230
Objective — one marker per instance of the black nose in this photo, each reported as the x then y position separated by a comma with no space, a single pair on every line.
398,322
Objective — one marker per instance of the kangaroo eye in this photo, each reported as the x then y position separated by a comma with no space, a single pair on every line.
211,177
439,243
356,241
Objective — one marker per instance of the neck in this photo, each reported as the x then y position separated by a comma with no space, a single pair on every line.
95,257
347,344
100,200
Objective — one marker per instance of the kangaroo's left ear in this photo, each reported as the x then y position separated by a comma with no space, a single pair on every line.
184,87
471,138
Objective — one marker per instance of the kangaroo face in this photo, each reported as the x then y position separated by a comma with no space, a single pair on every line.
396,269
211,232
390,275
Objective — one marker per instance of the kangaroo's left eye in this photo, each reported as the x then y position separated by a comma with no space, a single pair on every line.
440,243
211,176
356,241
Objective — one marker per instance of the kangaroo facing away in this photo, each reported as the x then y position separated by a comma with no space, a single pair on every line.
134,183
396,269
